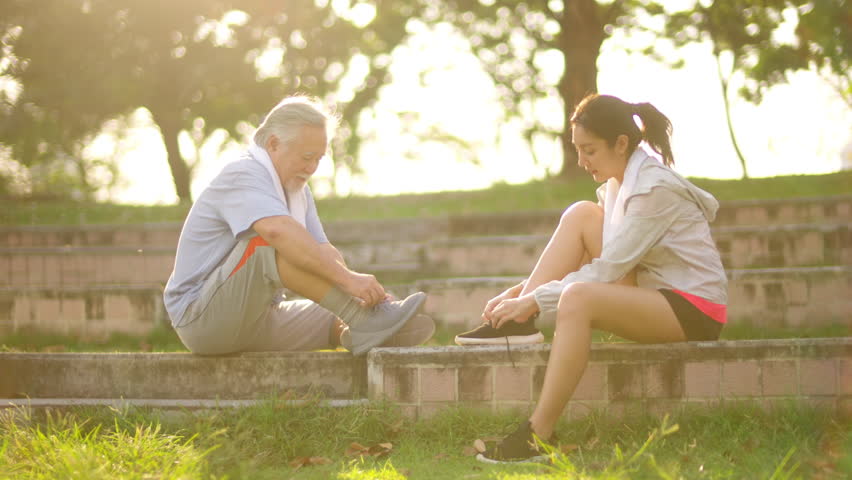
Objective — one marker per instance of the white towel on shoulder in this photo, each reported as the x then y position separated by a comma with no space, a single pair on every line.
297,202
617,193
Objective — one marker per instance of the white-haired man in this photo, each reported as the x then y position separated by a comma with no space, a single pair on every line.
254,231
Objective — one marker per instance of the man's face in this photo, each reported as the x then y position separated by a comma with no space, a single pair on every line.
298,160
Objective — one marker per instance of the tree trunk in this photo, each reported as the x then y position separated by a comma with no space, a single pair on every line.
169,129
580,43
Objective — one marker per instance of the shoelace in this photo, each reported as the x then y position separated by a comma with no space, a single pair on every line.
509,351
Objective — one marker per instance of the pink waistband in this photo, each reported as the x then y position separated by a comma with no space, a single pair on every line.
716,311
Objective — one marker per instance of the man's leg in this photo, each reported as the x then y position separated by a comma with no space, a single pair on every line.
367,327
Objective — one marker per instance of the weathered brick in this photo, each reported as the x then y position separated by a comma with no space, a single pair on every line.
664,380
844,376
400,384
624,381
818,376
475,384
797,291
46,309
740,378
437,384
593,383
118,307
512,383
779,377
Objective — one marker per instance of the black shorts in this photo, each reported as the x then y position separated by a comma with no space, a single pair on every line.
697,325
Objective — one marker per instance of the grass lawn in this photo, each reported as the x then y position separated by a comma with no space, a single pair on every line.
164,339
538,195
275,441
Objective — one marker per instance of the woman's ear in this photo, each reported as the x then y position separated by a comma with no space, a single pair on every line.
621,143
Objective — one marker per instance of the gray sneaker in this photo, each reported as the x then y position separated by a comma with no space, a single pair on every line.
386,319
416,331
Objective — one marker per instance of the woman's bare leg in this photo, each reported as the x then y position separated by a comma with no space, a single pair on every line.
633,313
576,241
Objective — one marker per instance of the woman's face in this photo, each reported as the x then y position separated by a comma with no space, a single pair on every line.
597,157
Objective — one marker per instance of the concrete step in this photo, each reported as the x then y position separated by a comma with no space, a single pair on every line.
834,209
86,312
779,297
619,378
396,260
180,376
740,247
785,297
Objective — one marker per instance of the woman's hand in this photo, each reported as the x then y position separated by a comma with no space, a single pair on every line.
514,309
492,304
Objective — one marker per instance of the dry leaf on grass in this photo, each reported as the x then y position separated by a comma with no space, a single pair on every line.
355,449
300,462
469,451
440,456
568,448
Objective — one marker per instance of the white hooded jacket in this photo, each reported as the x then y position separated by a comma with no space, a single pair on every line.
658,222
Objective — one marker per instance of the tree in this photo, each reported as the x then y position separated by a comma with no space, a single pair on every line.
512,39
196,65
748,33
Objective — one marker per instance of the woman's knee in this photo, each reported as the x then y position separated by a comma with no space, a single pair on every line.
582,212
573,302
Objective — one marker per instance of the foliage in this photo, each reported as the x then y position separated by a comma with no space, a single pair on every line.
750,32
197,66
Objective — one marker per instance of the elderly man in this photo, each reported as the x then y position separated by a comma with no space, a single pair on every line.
254,231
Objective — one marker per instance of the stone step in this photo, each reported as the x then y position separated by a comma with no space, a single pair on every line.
180,376
740,247
833,209
423,380
89,313
786,297
778,297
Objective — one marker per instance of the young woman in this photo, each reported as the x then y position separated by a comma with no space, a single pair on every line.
640,263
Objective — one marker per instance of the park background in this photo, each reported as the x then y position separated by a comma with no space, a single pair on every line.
110,101
143,101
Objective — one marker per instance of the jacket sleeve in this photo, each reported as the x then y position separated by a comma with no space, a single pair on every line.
646,219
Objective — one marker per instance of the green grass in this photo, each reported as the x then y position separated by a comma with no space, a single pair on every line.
164,339
537,195
724,442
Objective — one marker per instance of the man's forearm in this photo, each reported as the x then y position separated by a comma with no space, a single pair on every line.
299,248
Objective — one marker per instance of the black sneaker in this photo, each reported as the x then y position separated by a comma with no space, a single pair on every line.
512,333
518,447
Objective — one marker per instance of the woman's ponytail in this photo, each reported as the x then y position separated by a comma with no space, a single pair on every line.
656,130
608,117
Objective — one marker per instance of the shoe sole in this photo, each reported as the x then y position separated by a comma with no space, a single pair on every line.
419,329
537,459
513,340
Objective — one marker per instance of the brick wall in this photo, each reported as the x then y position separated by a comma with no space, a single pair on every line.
619,376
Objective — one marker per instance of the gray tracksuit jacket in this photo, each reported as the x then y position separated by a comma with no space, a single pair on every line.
662,229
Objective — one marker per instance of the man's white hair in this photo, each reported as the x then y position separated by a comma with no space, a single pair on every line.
290,115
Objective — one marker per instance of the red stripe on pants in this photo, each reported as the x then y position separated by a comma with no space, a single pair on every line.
252,245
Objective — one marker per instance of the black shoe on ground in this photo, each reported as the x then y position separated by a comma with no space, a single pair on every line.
518,447
515,333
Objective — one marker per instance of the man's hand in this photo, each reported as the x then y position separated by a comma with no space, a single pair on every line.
365,287
514,309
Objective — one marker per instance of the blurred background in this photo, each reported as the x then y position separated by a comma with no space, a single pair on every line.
143,102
